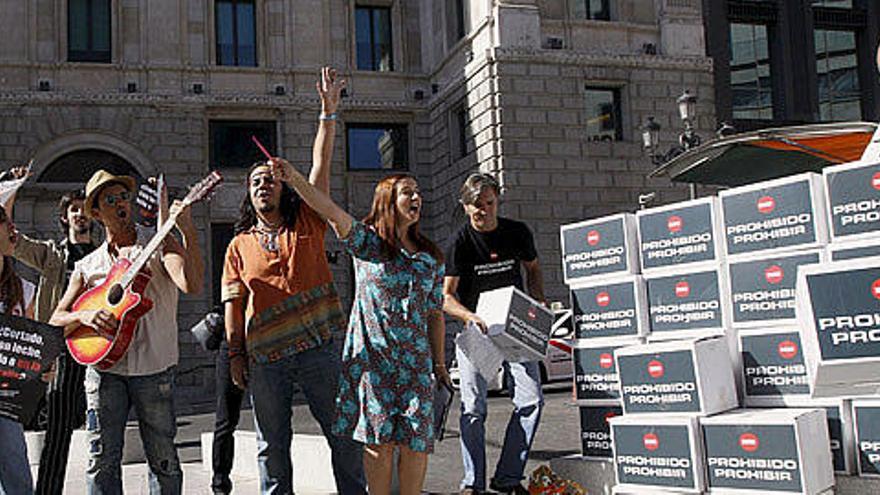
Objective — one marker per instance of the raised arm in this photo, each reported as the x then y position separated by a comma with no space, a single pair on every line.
329,89
317,199
14,173
184,262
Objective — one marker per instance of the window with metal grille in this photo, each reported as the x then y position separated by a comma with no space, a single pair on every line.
377,146
458,131
456,21
88,31
838,75
231,144
751,80
603,114
373,38
236,32
837,4
596,10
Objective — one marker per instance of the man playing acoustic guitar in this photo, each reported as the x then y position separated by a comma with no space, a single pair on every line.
144,377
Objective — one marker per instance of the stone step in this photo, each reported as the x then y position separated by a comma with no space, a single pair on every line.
598,477
312,472
132,453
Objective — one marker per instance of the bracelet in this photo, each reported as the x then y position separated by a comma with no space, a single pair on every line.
439,366
328,116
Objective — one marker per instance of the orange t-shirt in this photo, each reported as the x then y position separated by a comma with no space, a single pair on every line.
291,303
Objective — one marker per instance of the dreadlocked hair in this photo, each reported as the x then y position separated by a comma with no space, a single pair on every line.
289,205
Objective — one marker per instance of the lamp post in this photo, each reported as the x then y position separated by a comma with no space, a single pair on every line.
688,139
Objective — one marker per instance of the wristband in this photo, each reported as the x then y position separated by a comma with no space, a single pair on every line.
328,116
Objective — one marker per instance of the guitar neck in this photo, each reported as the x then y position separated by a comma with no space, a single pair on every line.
138,264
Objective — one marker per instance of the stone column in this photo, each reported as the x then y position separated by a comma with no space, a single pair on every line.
681,28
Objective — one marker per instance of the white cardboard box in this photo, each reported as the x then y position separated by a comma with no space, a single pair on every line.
682,377
773,371
774,216
681,234
600,247
841,431
763,451
688,303
596,432
853,200
843,251
610,308
838,308
595,372
518,325
762,289
657,453
866,419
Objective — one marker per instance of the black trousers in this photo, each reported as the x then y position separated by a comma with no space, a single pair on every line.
227,414
66,409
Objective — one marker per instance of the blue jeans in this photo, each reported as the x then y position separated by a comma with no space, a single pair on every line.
15,471
272,385
528,400
109,398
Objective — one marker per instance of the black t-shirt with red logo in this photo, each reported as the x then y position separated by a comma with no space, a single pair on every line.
489,260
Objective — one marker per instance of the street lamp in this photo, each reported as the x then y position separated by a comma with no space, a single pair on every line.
687,110
650,136
687,106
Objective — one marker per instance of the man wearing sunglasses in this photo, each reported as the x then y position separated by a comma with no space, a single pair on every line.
144,377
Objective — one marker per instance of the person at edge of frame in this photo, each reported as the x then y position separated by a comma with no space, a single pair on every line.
65,405
16,298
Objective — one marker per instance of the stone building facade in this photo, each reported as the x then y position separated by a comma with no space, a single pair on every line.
546,94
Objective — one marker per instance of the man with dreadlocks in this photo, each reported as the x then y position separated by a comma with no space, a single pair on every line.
281,310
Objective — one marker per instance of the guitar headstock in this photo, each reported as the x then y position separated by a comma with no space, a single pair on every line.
203,188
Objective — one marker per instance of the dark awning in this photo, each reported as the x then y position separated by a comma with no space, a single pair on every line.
769,153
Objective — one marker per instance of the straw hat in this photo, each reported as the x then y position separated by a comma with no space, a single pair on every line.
97,182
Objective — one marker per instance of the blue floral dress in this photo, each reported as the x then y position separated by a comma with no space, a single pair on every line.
386,389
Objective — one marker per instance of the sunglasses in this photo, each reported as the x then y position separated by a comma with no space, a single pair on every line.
112,199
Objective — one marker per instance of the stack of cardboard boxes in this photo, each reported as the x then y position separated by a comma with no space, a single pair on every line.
609,311
714,316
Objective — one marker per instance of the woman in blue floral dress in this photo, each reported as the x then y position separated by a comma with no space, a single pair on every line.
396,332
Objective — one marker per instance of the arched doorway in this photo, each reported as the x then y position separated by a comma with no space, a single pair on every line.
77,166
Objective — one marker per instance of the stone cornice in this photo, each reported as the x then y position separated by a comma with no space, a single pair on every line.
568,57
195,101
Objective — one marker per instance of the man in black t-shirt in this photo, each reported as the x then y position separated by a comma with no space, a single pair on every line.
488,253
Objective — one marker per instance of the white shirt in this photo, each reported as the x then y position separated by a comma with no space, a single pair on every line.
154,346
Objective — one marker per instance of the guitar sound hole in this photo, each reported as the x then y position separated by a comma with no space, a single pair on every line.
115,295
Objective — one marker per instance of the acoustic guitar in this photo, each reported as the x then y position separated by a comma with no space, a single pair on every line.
122,294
